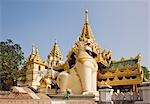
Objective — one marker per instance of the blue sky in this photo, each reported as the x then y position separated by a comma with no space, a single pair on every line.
119,25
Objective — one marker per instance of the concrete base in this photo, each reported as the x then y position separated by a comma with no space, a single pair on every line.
145,91
140,102
105,103
105,96
73,99
96,94
61,96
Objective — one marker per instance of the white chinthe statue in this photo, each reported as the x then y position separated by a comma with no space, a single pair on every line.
82,78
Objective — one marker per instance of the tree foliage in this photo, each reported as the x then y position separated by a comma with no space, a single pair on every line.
11,57
146,73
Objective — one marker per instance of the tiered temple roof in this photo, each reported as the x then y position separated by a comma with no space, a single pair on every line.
122,72
35,57
55,56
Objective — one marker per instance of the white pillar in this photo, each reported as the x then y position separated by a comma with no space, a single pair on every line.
146,93
105,96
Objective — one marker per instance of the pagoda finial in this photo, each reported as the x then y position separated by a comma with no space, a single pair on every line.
33,48
86,16
55,41
37,51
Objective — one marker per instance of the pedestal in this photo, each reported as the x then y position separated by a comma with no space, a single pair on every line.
105,96
145,93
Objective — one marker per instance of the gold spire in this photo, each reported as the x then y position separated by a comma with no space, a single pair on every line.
56,51
33,53
37,54
33,48
55,56
86,16
34,56
86,34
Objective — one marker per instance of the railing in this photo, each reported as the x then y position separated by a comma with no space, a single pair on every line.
127,96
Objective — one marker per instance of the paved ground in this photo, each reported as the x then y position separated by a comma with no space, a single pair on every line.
27,96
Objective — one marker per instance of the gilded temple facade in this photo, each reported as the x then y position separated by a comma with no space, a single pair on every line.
125,74
33,65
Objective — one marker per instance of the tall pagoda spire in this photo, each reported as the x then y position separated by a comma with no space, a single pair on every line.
86,34
55,56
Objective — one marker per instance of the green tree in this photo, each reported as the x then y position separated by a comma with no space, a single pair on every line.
146,73
11,58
